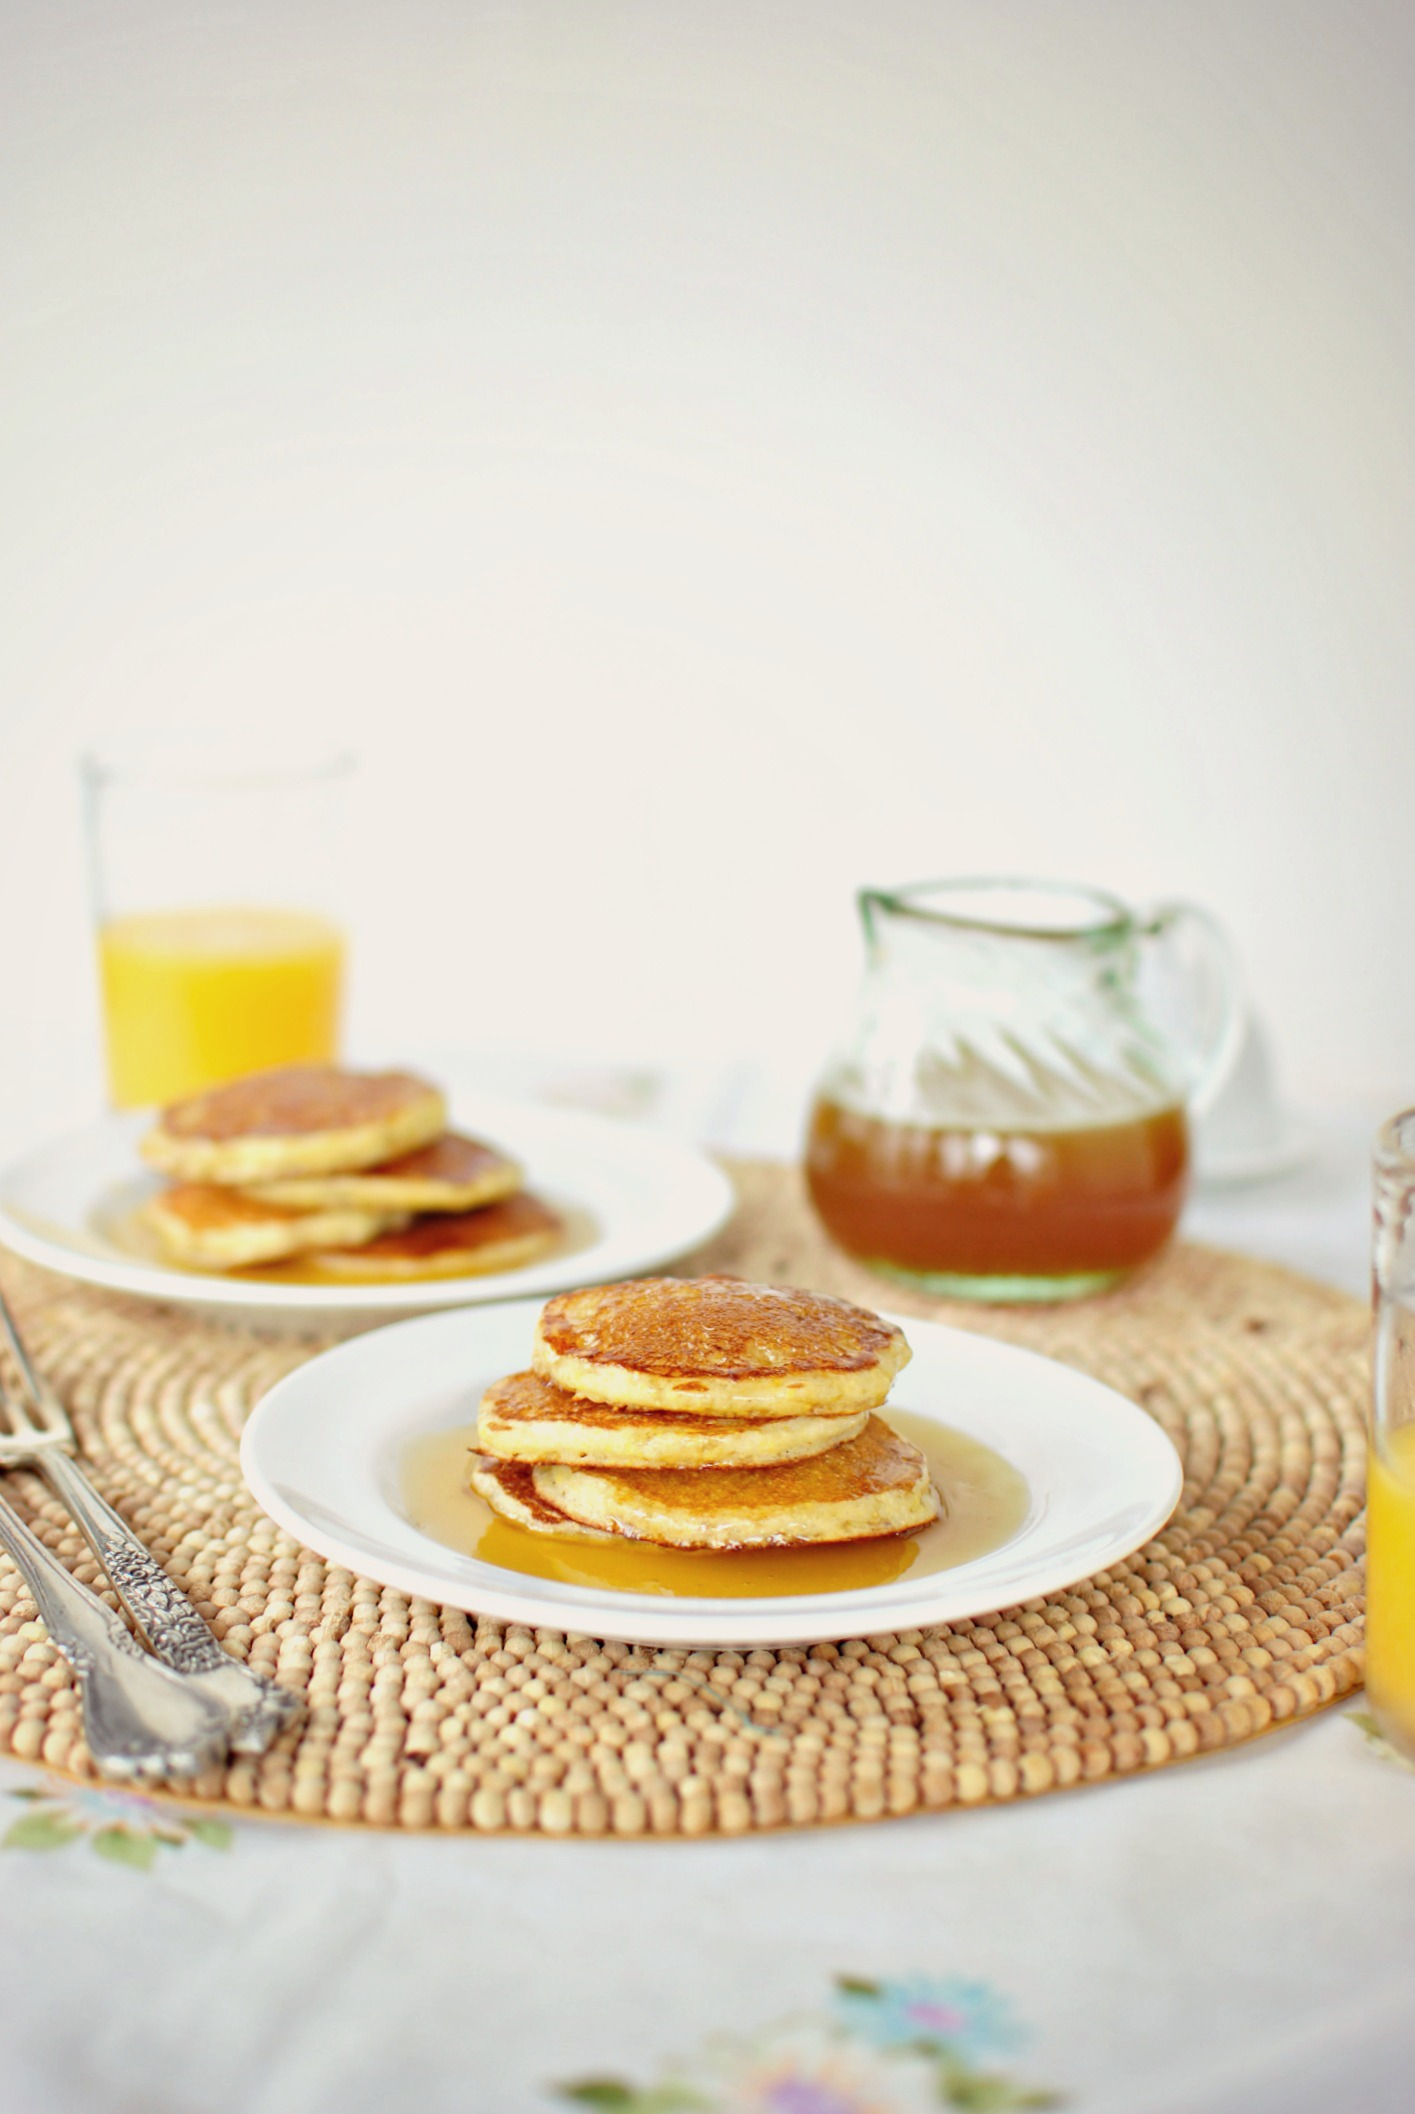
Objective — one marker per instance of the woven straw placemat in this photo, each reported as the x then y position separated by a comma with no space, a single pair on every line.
1245,1612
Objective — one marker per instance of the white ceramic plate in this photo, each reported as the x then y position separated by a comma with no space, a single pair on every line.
323,1453
637,1199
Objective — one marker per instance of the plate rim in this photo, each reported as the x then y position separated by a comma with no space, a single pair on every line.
678,1624
142,1279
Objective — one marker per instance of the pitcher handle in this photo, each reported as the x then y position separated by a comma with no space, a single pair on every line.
1200,945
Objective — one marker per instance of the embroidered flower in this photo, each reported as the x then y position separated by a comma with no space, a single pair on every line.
806,2068
119,1825
885,2048
967,2020
102,1807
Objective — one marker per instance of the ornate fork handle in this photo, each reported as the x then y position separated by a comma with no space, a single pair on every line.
256,1707
140,1719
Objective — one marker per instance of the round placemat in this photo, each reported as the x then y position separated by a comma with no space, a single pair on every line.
1244,1613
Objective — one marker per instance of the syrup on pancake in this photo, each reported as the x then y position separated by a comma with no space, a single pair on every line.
524,1418
502,1236
718,1347
201,1223
453,1173
297,1119
877,1483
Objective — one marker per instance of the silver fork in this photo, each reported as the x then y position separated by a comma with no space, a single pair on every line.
40,1436
140,1719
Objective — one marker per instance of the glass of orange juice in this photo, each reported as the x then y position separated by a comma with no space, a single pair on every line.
216,877
1390,1508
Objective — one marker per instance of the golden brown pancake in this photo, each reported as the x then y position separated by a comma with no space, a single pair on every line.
875,1484
502,1236
507,1487
524,1418
298,1119
207,1227
452,1174
717,1347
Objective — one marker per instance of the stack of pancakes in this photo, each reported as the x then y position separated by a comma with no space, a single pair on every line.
703,1414
353,1172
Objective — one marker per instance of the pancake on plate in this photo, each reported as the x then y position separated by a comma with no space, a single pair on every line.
875,1484
718,1347
524,1418
298,1119
507,1487
204,1226
502,1236
452,1174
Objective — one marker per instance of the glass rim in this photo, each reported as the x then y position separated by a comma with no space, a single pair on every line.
1114,919
180,759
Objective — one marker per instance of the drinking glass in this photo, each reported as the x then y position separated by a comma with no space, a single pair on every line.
216,879
1390,1513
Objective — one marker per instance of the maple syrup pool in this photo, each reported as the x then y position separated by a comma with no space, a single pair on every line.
985,1502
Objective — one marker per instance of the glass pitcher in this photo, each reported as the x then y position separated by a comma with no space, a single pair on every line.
1008,1117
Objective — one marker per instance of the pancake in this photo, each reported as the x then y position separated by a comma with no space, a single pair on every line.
506,1486
875,1484
298,1119
208,1227
452,1174
524,1418
717,1347
502,1236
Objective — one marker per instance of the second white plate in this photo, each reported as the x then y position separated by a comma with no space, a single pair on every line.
323,1454
639,1199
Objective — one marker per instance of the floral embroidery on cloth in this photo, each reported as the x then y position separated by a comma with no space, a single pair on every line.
118,1825
881,2048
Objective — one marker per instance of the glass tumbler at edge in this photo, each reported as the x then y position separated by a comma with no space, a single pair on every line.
1390,1518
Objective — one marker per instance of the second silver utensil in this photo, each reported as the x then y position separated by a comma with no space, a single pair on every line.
140,1719
35,1433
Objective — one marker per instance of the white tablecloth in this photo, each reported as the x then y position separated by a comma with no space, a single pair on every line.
1236,1933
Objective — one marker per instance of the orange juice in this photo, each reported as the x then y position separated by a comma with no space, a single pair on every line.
192,997
1390,1584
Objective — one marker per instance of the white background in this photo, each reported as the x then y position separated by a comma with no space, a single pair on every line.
705,456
